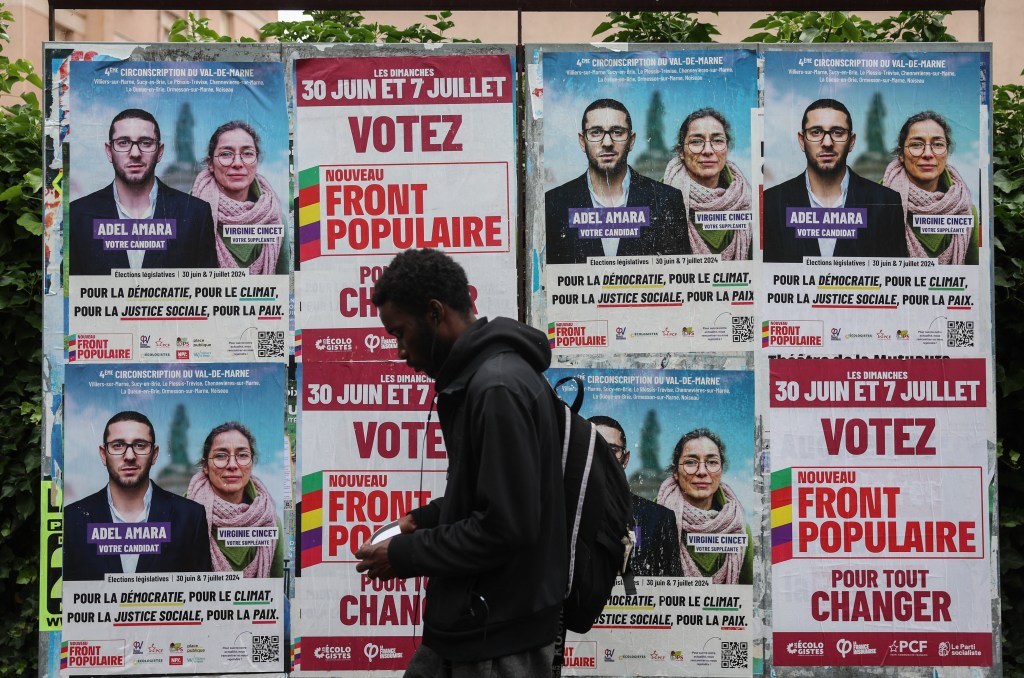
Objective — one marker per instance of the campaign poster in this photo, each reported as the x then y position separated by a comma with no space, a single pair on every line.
394,153
881,500
177,245
650,172
186,575
371,453
876,202
686,441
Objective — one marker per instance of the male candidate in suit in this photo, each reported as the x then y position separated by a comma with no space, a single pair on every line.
606,139
656,553
826,137
179,233
132,500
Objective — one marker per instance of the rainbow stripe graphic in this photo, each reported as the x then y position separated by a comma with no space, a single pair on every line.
551,334
764,334
72,347
298,344
312,520
782,515
309,213
64,655
297,653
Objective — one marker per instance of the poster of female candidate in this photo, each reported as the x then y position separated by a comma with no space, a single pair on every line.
649,175
686,441
175,545
393,153
876,201
179,211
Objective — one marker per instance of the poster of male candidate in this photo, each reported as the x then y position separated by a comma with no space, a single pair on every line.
650,175
881,502
175,548
394,153
876,201
177,245
370,454
686,441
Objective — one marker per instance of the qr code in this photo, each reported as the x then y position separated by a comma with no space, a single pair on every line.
959,333
742,328
734,655
270,345
266,649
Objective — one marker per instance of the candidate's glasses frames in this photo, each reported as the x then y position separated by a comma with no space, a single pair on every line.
618,450
597,134
916,148
221,459
697,144
117,448
248,156
691,466
124,144
816,134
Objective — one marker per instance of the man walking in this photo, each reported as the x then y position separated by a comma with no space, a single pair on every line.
494,546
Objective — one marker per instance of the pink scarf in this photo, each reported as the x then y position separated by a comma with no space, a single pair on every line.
698,198
955,200
691,520
220,513
266,210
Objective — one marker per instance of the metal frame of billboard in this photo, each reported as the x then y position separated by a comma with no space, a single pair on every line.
520,6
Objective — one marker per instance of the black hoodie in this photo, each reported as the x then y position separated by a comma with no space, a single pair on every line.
494,546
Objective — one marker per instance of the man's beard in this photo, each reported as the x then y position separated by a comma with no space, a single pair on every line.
617,168
144,179
141,478
836,170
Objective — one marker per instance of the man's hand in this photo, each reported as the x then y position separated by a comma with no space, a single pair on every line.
373,560
406,524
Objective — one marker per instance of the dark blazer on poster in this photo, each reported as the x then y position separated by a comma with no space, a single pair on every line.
666,233
882,237
193,248
188,550
657,549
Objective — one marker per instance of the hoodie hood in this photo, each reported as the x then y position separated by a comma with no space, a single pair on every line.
485,338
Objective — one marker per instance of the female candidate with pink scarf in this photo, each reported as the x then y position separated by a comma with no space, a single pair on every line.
931,187
703,504
234,498
240,196
710,182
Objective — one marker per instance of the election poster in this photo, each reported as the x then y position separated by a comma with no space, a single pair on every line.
174,543
876,202
177,244
370,455
650,171
394,153
686,440
881,500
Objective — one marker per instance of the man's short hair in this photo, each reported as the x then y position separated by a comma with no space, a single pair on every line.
129,415
827,103
602,420
606,103
134,113
414,277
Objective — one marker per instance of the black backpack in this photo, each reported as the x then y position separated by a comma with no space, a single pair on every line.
598,515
